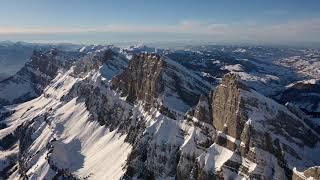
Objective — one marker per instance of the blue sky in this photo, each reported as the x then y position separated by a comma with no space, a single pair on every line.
97,21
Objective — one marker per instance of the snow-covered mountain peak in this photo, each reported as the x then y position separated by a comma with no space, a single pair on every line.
153,116
36,74
156,79
109,61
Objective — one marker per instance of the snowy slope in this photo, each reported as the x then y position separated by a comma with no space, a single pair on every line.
249,131
35,75
160,82
266,77
62,137
307,64
151,117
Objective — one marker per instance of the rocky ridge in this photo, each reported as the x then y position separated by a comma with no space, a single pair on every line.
163,120
157,80
32,79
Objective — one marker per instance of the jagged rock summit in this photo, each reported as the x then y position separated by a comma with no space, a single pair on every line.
107,116
32,79
157,80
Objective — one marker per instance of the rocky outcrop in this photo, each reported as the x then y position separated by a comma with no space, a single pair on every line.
234,132
99,102
31,80
305,95
229,115
203,110
46,63
142,80
254,129
158,81
107,61
311,173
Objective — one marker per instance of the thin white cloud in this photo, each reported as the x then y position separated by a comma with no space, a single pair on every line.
297,30
183,27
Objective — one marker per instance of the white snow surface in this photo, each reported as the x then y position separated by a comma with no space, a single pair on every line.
307,65
84,147
265,111
13,90
89,150
215,157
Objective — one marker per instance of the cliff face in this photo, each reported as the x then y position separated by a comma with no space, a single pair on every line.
47,63
165,90
142,80
252,137
311,173
31,80
228,112
152,121
203,110
158,81
108,61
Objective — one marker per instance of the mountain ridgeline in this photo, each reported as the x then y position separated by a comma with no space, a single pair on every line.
111,113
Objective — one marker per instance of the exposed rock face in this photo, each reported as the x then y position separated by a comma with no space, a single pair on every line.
304,95
100,104
248,128
106,108
233,133
142,80
203,110
228,113
158,81
46,63
303,99
108,61
311,173
30,81
94,89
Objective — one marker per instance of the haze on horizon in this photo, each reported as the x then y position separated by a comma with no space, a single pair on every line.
209,21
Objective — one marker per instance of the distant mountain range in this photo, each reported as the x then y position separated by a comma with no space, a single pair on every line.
202,112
